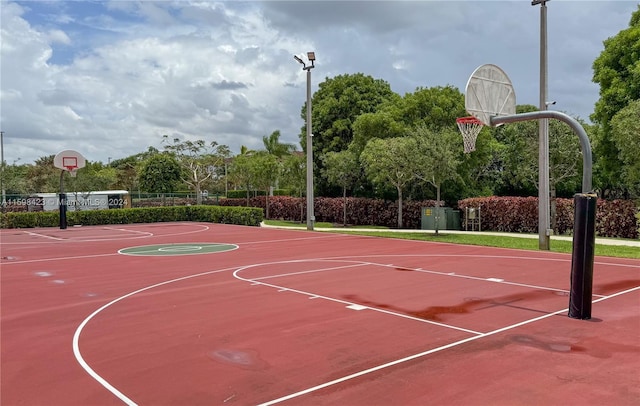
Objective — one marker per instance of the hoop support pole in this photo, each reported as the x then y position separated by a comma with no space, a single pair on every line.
585,146
584,235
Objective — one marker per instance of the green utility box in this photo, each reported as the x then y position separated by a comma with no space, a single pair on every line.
448,219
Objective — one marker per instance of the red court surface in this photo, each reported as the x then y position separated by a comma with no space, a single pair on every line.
304,318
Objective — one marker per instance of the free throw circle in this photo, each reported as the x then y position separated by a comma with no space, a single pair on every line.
191,248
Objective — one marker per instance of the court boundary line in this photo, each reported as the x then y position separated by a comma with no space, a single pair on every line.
76,337
428,352
341,301
204,227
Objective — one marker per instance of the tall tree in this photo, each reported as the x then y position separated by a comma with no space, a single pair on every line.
127,169
43,177
336,105
159,174
617,71
279,150
390,161
264,169
276,148
438,158
342,169
434,107
294,174
240,172
200,161
625,133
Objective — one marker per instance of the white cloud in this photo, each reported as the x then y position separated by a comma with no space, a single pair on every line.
109,79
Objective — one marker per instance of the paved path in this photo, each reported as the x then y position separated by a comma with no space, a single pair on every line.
601,241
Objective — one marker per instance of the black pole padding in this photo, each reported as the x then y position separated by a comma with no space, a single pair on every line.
63,210
584,240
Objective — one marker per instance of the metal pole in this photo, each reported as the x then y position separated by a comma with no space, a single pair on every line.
584,217
62,202
310,215
544,222
4,196
585,145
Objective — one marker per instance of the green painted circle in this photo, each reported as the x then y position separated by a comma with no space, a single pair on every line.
189,248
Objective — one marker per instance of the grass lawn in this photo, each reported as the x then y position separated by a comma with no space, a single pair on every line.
474,239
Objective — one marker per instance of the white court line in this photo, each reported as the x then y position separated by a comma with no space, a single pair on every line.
483,279
44,236
111,238
424,353
332,299
147,233
128,401
76,335
310,271
28,261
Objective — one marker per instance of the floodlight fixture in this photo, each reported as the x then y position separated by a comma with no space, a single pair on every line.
311,56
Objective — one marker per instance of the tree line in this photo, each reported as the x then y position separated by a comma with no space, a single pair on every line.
371,142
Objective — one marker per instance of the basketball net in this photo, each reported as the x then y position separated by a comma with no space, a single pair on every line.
470,128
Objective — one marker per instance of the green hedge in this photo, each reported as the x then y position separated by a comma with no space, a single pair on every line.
242,194
248,216
614,218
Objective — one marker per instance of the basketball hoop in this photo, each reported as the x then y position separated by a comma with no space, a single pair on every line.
469,127
69,161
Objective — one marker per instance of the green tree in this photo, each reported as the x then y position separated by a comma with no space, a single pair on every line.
43,177
15,179
342,169
381,124
436,158
390,161
159,174
276,148
200,161
617,71
294,175
336,105
625,133
264,169
279,150
127,169
434,107
240,172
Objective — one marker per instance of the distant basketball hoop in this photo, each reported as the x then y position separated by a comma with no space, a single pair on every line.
470,128
69,161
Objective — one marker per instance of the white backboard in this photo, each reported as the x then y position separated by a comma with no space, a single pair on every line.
69,158
489,92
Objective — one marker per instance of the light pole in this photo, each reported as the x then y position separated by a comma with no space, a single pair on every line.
4,196
544,222
310,216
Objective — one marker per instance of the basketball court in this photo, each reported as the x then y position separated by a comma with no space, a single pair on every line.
198,313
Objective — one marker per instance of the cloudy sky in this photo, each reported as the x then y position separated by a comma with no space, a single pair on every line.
109,78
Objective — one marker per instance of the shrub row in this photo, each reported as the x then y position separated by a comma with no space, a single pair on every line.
239,194
614,218
360,211
213,214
